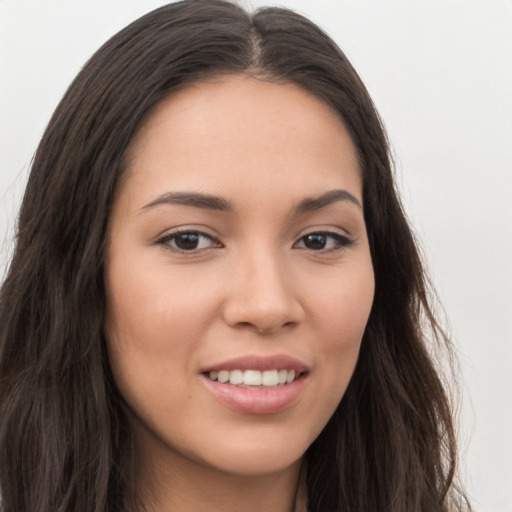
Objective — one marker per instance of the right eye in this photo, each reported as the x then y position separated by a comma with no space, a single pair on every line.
189,241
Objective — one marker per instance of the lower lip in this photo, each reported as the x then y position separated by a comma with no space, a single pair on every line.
256,400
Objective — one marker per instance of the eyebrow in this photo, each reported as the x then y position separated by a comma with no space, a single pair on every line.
310,204
209,202
194,199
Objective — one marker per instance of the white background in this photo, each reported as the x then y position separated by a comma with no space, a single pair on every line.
440,73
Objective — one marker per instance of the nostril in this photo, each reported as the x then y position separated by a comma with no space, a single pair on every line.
263,314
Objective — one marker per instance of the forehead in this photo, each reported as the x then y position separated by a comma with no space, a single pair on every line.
236,129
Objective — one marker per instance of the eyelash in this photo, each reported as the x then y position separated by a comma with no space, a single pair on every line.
341,241
167,240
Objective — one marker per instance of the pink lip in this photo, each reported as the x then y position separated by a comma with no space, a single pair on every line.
277,362
255,400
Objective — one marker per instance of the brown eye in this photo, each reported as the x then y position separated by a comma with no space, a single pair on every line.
324,241
188,241
315,241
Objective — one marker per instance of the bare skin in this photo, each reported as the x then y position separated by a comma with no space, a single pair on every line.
237,232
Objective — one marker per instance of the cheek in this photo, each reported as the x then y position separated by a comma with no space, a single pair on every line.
339,317
154,311
152,332
342,306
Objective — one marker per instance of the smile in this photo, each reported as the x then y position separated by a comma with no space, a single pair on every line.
257,385
255,378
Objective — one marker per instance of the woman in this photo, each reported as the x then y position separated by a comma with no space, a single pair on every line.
216,302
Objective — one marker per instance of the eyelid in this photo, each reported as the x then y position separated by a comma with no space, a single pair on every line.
343,240
165,239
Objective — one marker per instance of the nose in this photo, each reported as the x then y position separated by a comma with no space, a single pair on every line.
262,295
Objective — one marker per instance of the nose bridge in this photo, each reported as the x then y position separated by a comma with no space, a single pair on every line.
263,295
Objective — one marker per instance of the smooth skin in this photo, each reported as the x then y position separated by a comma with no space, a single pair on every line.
193,284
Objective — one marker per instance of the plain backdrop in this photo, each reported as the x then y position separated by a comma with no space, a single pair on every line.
440,73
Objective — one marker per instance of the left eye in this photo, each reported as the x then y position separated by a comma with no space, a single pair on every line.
188,241
323,241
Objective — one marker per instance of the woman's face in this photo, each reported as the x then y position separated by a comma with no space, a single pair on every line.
239,278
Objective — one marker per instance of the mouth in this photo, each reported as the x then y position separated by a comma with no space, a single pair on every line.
252,378
257,385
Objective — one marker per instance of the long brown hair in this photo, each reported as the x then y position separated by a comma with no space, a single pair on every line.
65,440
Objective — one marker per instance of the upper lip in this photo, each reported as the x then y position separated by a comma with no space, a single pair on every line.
262,363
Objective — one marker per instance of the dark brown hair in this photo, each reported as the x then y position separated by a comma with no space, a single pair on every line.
65,440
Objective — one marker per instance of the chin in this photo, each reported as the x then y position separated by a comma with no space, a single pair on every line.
270,450
249,450
258,460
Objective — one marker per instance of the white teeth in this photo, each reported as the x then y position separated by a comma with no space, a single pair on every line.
268,378
252,378
223,376
236,377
